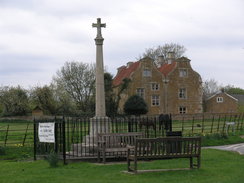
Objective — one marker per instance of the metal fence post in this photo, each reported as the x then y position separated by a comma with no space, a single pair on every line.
64,144
238,122
182,126
6,136
34,139
203,120
211,131
218,124
192,127
26,130
223,130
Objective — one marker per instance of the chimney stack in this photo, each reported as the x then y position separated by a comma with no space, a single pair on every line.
170,57
129,64
161,60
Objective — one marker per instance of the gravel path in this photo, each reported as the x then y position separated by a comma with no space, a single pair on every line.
233,147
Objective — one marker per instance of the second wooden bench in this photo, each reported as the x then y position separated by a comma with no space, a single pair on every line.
164,148
115,143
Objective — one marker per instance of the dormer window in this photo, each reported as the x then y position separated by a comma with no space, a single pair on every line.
183,72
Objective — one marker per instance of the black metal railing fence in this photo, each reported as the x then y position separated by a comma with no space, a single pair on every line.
76,138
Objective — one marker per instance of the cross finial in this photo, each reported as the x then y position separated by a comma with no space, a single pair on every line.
99,25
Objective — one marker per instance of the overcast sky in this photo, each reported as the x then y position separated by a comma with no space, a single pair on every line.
38,36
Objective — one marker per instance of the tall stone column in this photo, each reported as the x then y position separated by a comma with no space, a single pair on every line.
100,123
100,94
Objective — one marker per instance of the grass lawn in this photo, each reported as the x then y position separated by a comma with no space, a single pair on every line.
16,153
217,167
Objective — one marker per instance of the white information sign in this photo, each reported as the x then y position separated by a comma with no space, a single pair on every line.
46,132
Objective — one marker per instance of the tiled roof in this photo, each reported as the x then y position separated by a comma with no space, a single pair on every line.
220,92
125,72
167,68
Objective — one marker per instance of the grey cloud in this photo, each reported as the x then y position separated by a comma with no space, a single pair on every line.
41,35
11,64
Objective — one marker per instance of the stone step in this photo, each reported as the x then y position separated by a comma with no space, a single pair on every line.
84,148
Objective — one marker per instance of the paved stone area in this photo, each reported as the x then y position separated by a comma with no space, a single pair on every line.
234,147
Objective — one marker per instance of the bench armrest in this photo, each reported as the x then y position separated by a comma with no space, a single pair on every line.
130,147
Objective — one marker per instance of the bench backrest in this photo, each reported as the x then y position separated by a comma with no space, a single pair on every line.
168,147
119,139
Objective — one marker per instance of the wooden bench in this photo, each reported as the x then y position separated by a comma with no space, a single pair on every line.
164,148
115,143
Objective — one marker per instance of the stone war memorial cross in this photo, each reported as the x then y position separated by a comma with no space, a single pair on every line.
100,94
100,123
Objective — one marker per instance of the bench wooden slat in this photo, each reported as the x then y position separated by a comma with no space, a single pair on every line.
115,143
167,147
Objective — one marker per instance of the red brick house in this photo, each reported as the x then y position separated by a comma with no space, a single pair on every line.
173,87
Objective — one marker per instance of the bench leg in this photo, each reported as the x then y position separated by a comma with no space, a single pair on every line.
128,164
104,157
98,157
135,165
198,162
191,162
130,169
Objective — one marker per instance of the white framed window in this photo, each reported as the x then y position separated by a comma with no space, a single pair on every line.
154,86
220,99
182,93
140,92
182,110
183,72
147,73
155,100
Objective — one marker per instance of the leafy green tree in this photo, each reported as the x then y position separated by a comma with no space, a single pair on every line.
52,100
135,105
109,95
234,90
122,88
44,98
14,101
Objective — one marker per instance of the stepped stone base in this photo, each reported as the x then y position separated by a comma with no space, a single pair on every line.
89,144
82,148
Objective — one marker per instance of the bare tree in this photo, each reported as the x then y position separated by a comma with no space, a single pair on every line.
78,80
154,52
210,87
